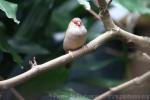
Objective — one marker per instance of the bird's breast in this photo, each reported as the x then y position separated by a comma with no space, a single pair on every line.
74,38
73,42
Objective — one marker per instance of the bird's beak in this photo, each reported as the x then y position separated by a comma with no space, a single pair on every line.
79,23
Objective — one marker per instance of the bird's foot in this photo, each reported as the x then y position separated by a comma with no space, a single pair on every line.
70,52
85,46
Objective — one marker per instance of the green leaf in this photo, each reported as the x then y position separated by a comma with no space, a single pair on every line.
9,9
58,15
5,47
67,94
85,3
28,47
92,64
98,81
136,6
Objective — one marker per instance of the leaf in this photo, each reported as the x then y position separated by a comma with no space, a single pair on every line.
9,9
85,3
92,64
67,94
136,6
58,16
28,47
5,47
95,30
98,81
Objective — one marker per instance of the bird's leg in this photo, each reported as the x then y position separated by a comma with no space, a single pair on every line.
70,52
85,46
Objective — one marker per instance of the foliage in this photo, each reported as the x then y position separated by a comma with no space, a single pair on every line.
9,9
137,6
67,94
5,47
85,3
40,34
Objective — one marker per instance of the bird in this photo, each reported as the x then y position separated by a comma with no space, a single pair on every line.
75,35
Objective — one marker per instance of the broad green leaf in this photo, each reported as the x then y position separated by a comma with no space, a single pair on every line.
67,94
34,23
136,6
9,9
5,47
58,15
85,3
28,47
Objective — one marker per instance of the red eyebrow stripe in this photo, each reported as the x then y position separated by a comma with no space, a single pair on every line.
74,20
77,22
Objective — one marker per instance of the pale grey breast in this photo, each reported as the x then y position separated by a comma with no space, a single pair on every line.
75,38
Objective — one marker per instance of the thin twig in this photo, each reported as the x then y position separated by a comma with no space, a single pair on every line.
136,81
94,14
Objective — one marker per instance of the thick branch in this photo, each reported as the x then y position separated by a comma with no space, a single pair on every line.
142,42
105,16
136,81
35,70
91,46
139,40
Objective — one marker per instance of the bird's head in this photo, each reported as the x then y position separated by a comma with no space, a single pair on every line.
76,27
77,21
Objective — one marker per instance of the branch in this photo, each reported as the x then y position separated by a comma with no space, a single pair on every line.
134,82
36,70
92,12
15,92
142,42
91,46
105,16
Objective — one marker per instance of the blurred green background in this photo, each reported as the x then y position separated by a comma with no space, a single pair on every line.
35,28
